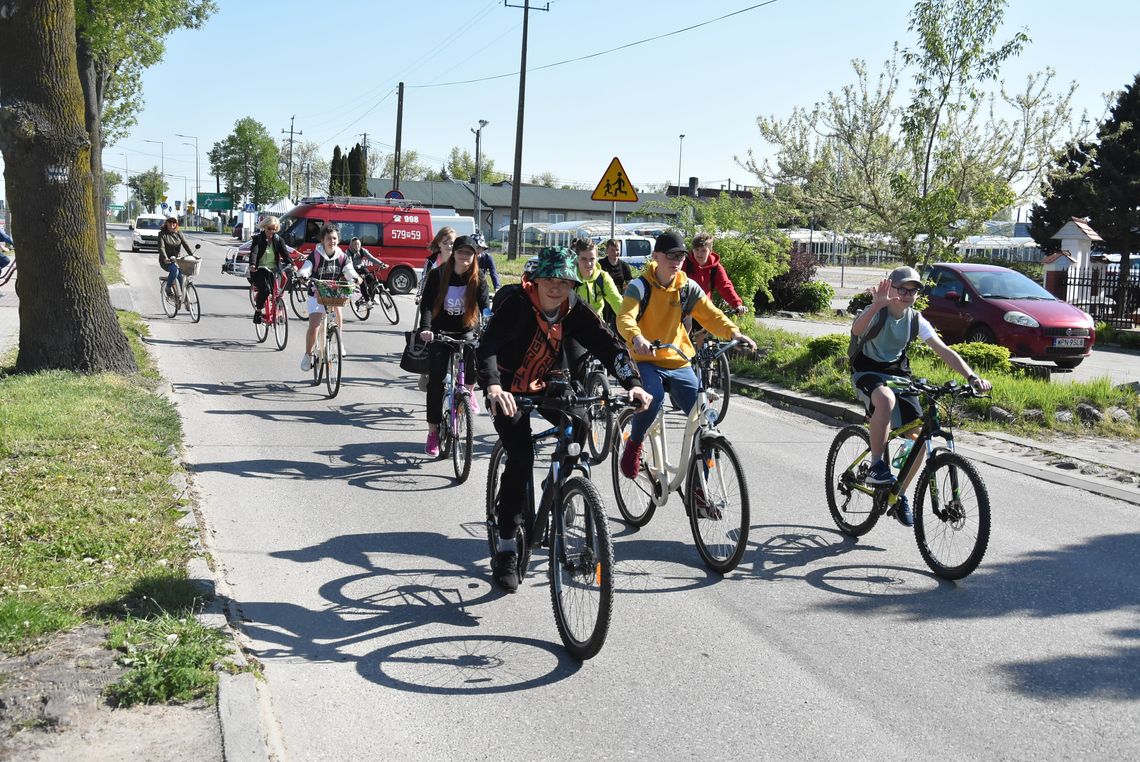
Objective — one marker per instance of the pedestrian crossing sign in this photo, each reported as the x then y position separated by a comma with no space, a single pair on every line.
615,185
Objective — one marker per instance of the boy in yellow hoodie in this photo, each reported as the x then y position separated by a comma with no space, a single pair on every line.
671,296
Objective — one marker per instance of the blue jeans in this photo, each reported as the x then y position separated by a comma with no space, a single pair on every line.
175,273
682,386
4,261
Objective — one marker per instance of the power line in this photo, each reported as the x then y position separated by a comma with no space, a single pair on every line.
602,52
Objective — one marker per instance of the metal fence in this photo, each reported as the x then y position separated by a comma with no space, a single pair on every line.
1098,293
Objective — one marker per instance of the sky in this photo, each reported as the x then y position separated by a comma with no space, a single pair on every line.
333,67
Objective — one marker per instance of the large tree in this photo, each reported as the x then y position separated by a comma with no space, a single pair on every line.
149,187
311,172
919,176
461,166
357,182
247,162
412,167
115,40
66,318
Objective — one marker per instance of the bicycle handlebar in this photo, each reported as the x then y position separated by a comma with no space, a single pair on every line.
443,338
922,386
724,346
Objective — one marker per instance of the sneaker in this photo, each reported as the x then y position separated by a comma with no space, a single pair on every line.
880,474
705,509
903,512
473,403
631,460
505,570
257,318
432,446
307,362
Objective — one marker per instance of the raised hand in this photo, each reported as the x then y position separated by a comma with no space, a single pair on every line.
881,294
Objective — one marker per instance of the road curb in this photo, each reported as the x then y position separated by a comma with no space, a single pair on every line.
853,414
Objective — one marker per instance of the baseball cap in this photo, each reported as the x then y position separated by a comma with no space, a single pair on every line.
670,242
477,237
465,241
556,262
901,275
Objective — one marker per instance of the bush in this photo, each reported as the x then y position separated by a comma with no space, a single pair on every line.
831,345
814,296
209,227
985,357
749,264
858,302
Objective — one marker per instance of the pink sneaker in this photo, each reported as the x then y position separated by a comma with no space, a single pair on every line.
432,446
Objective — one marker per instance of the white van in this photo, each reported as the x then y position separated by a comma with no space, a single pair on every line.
146,229
460,224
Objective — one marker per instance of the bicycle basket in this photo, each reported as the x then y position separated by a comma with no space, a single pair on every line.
188,265
333,296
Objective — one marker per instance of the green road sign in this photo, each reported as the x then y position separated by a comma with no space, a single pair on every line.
215,202
116,207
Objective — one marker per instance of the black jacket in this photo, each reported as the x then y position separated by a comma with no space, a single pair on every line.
257,247
512,328
443,321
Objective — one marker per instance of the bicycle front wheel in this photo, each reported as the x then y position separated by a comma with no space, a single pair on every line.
192,305
634,496
333,357
848,461
169,301
951,516
280,324
581,569
299,301
360,307
717,500
601,419
718,384
463,439
388,304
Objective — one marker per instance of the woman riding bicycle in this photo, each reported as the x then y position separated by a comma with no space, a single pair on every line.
653,308
454,298
263,269
522,343
170,243
326,263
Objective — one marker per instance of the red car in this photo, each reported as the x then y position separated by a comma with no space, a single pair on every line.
997,305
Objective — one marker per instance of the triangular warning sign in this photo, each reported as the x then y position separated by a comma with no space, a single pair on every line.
615,185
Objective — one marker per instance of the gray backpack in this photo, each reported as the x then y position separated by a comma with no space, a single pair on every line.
855,343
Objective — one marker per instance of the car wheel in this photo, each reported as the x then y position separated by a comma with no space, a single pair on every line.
1069,363
979,334
401,281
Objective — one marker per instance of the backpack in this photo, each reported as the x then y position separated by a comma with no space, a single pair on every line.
855,343
690,294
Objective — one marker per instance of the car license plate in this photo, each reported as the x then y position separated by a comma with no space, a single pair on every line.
1069,341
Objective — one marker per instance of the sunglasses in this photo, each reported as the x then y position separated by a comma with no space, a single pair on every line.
906,291
676,256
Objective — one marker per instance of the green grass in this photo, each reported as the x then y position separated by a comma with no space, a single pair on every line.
112,264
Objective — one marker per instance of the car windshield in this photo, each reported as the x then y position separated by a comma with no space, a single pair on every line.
145,223
1006,284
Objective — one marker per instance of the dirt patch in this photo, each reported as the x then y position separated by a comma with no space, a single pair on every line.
52,708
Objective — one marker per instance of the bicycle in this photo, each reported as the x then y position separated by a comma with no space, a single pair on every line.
715,373
596,383
299,299
328,352
8,273
944,521
387,302
710,479
183,294
570,521
273,314
456,430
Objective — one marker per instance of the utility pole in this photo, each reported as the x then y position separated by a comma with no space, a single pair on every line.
308,179
479,173
399,136
515,245
680,147
291,133
364,162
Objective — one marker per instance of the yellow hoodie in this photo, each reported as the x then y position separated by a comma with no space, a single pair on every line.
662,319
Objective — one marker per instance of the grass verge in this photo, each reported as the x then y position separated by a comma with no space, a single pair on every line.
112,263
87,515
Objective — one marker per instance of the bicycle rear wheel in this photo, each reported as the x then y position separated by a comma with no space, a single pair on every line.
495,468
280,324
951,516
361,308
581,569
388,304
252,295
299,301
463,437
718,505
848,461
634,496
169,303
718,384
601,419
192,304
333,357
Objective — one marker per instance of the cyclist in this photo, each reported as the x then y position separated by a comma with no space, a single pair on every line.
521,345
327,262
170,243
369,288
653,308
439,251
703,267
454,298
882,332
264,269
486,261
596,288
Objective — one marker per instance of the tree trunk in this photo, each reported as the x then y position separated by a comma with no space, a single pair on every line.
93,121
66,318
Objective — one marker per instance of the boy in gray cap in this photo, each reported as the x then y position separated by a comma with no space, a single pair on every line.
882,332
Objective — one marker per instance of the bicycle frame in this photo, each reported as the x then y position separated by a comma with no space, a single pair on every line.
456,378
269,309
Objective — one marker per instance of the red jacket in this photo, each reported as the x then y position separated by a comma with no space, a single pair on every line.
710,276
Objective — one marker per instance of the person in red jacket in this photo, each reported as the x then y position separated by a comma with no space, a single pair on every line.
704,268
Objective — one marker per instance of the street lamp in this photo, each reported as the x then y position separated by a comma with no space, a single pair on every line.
680,146
161,165
478,172
127,182
197,188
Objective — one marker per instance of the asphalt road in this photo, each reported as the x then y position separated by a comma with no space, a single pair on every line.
360,573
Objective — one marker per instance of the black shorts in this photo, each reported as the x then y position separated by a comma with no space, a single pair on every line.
907,407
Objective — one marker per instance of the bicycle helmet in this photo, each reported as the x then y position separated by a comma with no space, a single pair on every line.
530,268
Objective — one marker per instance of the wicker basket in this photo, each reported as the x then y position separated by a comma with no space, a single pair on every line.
331,296
189,265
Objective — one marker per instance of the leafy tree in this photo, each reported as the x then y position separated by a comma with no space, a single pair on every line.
66,317
149,188
115,40
546,180
918,177
1066,195
336,173
461,166
312,172
111,181
357,184
247,162
412,167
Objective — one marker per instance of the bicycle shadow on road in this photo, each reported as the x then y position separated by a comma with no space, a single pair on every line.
370,416
790,548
